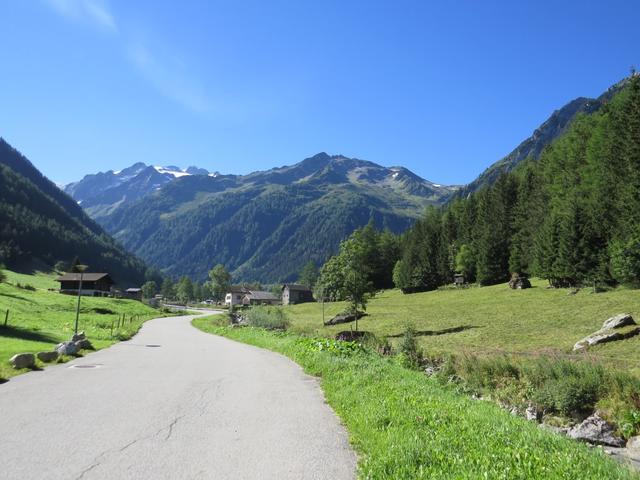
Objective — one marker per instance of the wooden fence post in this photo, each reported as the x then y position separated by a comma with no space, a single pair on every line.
6,318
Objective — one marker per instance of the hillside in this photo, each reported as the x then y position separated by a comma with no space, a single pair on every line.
39,319
40,225
570,217
266,225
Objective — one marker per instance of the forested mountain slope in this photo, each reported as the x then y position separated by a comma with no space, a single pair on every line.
40,224
264,226
544,135
572,217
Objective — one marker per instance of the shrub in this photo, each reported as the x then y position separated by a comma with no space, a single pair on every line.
267,317
411,354
26,286
335,347
3,276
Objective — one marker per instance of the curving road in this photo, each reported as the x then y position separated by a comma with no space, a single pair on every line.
195,407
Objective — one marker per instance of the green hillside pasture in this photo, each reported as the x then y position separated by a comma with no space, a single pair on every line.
404,425
40,319
490,320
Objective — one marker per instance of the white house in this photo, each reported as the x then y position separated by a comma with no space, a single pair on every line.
234,295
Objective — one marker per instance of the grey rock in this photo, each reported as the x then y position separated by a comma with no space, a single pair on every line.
633,444
84,344
67,348
48,357
78,336
596,431
23,360
519,282
618,321
604,336
430,371
531,413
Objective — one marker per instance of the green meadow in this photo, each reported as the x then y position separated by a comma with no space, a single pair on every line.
39,317
490,320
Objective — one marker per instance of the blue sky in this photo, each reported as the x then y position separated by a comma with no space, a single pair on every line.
444,88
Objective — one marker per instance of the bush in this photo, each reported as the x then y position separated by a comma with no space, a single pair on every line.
411,354
26,286
3,276
267,317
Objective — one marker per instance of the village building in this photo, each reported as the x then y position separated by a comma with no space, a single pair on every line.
133,293
93,284
257,297
293,293
234,295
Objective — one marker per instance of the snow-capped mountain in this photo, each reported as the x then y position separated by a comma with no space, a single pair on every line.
99,193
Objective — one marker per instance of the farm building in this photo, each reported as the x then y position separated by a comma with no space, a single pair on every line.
93,284
234,295
133,293
293,293
257,297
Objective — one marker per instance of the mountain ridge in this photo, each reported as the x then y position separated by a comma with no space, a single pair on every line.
41,225
266,224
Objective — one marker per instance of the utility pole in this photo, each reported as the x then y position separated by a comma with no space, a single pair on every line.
81,269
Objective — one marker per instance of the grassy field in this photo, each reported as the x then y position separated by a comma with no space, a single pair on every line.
490,320
39,319
407,426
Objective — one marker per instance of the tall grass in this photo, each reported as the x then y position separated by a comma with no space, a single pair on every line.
572,389
271,318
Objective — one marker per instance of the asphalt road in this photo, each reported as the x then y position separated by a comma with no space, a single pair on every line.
196,406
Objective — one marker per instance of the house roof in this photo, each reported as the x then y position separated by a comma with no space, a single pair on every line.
237,289
133,290
86,277
261,295
296,286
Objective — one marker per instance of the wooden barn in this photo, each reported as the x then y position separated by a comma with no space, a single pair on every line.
93,284
293,293
257,297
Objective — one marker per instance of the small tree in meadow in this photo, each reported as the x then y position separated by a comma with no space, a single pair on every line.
149,289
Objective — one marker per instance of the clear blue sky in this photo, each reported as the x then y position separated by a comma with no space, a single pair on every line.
443,88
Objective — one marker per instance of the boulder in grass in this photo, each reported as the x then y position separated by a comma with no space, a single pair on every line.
519,282
84,344
78,336
23,360
67,348
604,336
597,431
618,321
48,357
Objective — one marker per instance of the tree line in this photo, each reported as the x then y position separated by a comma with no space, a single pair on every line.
572,217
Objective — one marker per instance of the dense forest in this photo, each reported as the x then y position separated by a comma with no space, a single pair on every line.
40,225
571,217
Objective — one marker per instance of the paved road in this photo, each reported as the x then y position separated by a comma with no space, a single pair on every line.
196,407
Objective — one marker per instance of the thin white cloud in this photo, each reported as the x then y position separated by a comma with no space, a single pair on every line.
166,73
169,79
95,12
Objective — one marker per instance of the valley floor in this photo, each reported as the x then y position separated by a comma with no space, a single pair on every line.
491,320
